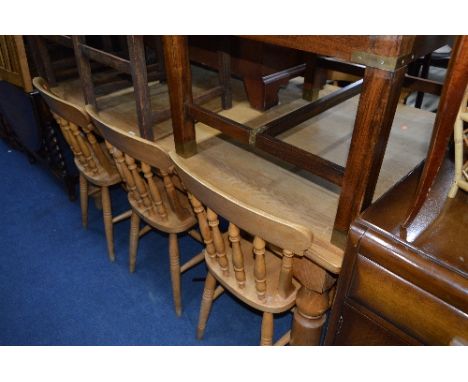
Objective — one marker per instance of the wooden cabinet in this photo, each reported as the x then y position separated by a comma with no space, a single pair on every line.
397,290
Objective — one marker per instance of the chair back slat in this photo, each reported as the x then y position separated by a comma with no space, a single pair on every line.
173,197
259,267
70,138
85,148
285,286
102,158
154,191
237,255
218,241
204,227
125,173
141,187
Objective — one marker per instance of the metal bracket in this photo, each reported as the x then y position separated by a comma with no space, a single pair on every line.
381,62
253,133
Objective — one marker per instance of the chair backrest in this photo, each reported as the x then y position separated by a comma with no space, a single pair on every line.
135,65
54,56
77,131
14,66
287,238
274,229
134,158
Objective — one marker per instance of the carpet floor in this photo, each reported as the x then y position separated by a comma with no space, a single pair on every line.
57,286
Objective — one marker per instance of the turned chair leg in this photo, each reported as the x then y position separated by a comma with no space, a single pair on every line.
267,329
84,200
108,225
134,237
207,300
175,271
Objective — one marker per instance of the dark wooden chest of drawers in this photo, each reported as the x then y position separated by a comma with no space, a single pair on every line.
394,291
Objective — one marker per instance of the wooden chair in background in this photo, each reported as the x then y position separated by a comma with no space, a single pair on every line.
258,274
91,158
154,198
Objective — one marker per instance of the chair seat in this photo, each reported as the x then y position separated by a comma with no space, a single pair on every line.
175,223
272,303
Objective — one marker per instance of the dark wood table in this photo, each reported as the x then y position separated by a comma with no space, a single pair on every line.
385,59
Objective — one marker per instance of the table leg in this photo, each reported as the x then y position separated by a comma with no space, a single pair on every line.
179,80
314,78
312,302
309,317
136,50
374,118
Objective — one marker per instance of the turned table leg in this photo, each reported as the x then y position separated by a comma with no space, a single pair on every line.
309,317
312,302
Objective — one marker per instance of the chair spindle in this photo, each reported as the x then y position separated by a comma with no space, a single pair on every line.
259,267
237,255
285,286
127,176
204,227
96,147
218,241
172,194
154,191
139,183
89,160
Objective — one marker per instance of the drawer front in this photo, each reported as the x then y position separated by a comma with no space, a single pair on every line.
356,329
408,307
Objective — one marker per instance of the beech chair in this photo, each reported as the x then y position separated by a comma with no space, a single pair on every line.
152,193
461,143
94,164
259,274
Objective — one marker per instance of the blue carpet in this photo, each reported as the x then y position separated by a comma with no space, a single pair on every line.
57,286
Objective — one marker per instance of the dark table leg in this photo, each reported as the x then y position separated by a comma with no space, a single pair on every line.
179,80
377,106
136,51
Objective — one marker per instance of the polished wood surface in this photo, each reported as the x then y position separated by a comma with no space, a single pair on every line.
393,291
452,95
404,48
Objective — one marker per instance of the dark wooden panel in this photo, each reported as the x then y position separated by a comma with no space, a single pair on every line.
356,329
408,307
